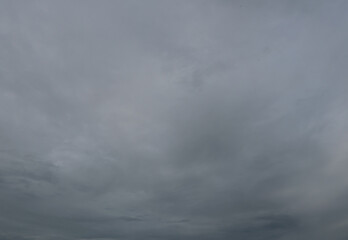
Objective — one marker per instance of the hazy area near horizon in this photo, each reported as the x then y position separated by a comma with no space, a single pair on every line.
159,119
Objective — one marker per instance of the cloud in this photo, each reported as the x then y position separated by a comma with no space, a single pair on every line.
166,120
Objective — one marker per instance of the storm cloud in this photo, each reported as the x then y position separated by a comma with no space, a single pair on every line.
189,120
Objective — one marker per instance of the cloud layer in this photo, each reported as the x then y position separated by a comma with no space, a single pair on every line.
173,120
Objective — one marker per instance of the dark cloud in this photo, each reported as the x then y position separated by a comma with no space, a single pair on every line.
173,120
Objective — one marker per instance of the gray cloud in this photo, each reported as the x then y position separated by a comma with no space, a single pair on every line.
173,120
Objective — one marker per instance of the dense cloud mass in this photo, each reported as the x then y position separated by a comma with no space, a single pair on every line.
191,120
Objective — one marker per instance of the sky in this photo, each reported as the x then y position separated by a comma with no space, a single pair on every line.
159,119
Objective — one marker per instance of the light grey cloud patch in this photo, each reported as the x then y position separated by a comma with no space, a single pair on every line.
173,120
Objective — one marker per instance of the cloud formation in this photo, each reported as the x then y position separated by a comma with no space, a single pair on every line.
173,120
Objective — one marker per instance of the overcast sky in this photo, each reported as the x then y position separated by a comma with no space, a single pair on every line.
191,120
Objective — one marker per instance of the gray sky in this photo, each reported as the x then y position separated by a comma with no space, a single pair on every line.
192,120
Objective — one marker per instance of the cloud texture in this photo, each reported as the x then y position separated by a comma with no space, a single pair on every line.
193,120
